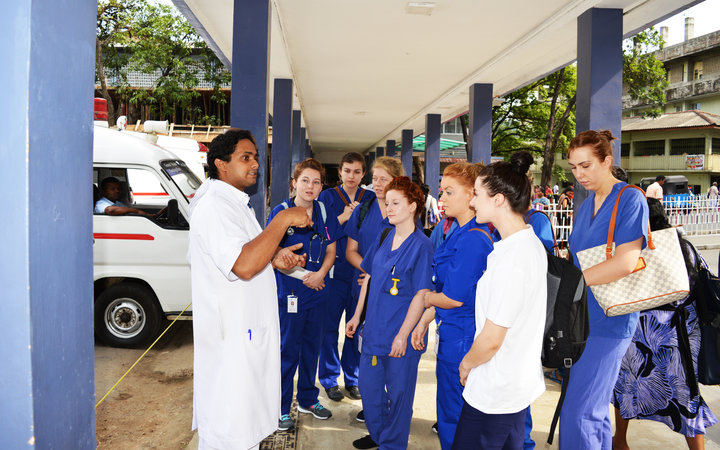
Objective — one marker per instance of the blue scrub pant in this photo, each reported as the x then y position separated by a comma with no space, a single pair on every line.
585,416
339,300
477,430
300,339
388,392
449,400
529,443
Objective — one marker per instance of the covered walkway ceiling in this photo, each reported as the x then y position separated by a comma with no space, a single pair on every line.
365,70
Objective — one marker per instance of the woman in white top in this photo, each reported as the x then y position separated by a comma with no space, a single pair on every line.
502,373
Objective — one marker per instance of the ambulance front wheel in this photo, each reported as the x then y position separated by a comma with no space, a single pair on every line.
127,315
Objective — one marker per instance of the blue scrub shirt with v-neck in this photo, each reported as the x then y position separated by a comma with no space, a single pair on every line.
371,227
335,205
411,265
326,232
459,263
589,231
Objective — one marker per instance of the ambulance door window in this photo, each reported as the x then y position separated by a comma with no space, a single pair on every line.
146,188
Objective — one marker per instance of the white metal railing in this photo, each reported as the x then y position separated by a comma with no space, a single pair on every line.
698,215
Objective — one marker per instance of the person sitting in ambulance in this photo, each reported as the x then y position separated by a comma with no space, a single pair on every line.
111,205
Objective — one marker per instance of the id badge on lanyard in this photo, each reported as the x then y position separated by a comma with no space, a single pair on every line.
437,338
292,303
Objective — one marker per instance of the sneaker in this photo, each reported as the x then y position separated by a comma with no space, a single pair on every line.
360,416
317,410
353,392
434,428
334,394
364,442
285,422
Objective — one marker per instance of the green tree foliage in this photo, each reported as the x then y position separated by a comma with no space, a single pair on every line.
539,118
155,39
644,76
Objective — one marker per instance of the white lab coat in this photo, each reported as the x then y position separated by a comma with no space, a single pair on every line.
236,401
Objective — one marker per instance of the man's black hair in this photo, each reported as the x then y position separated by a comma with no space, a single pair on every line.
659,177
107,181
223,146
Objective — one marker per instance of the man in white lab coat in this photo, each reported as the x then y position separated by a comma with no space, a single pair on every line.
236,331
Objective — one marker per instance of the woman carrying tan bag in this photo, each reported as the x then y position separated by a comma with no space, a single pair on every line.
585,420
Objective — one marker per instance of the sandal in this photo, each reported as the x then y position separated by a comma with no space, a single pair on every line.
553,375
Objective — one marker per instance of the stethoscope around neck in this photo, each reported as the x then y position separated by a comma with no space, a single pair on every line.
316,240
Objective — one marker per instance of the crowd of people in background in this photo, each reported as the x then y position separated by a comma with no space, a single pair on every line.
365,254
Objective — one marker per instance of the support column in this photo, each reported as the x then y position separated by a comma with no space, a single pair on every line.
380,151
599,77
390,148
282,141
297,138
303,144
249,99
433,128
480,133
47,387
406,154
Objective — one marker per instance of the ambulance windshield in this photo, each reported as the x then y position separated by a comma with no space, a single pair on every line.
183,177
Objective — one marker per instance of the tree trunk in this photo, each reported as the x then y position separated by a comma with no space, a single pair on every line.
548,149
103,84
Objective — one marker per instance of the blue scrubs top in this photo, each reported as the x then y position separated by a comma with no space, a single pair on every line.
438,233
459,263
588,232
371,227
315,241
335,205
542,227
411,265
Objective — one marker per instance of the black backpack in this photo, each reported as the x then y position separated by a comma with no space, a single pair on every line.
566,325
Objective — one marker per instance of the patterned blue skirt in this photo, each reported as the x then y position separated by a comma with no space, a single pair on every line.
652,383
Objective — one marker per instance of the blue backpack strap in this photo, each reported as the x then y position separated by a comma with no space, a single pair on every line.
285,205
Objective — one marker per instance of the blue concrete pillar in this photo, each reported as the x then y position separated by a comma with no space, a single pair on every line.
380,151
433,127
390,148
303,144
282,141
249,99
599,77
296,138
47,387
406,152
480,132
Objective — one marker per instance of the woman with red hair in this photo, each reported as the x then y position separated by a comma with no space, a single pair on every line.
399,265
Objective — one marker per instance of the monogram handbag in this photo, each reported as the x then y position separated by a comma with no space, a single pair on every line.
659,278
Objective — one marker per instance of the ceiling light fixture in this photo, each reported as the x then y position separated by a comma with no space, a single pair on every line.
420,8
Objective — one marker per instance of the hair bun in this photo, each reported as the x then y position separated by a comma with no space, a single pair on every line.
608,135
521,161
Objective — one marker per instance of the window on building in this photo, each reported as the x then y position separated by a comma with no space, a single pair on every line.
625,149
649,148
452,127
698,70
697,106
678,108
715,150
692,146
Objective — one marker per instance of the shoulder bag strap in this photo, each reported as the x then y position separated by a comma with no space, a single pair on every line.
613,218
342,197
492,243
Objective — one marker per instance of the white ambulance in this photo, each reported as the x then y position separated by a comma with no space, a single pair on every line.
141,274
